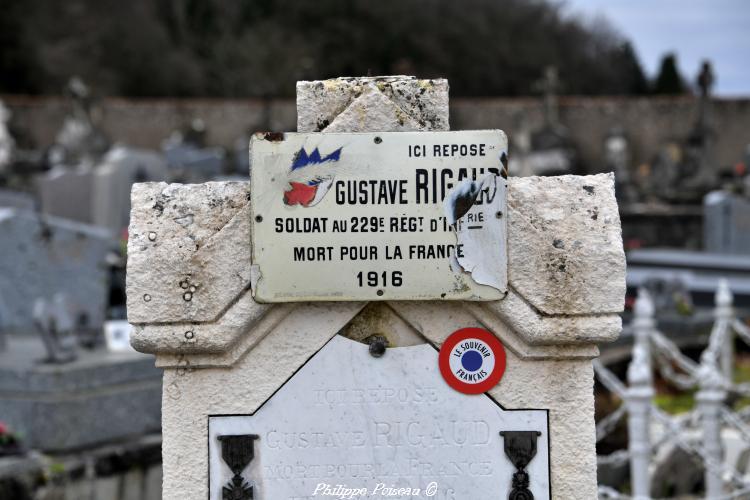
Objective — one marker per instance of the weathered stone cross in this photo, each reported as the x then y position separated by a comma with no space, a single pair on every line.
189,279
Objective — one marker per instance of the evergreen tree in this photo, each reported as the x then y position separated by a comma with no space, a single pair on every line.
636,82
247,48
669,81
19,64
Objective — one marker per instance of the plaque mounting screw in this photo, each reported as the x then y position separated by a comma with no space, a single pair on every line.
378,140
258,218
499,214
377,346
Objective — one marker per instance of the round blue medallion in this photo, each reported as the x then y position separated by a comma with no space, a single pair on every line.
471,361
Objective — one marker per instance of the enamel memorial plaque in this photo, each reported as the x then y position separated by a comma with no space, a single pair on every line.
348,425
379,216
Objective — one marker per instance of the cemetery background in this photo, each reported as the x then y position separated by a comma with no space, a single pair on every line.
67,163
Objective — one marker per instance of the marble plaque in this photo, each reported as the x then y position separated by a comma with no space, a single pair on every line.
348,425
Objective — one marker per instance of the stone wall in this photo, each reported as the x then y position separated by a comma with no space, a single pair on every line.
648,122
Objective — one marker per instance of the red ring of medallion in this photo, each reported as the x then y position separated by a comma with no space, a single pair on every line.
472,333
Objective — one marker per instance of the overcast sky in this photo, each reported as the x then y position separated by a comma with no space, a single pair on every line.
694,29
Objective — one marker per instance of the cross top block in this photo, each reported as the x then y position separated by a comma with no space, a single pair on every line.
566,265
372,104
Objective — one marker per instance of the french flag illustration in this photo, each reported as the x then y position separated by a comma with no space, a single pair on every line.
307,194
308,185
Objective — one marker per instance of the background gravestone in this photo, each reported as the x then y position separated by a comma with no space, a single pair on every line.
66,192
101,397
189,280
120,168
16,199
43,256
727,223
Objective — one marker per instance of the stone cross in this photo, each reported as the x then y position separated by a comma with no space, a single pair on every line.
705,82
189,297
549,85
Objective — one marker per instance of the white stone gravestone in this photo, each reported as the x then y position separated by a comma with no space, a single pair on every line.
66,192
727,223
119,169
252,391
